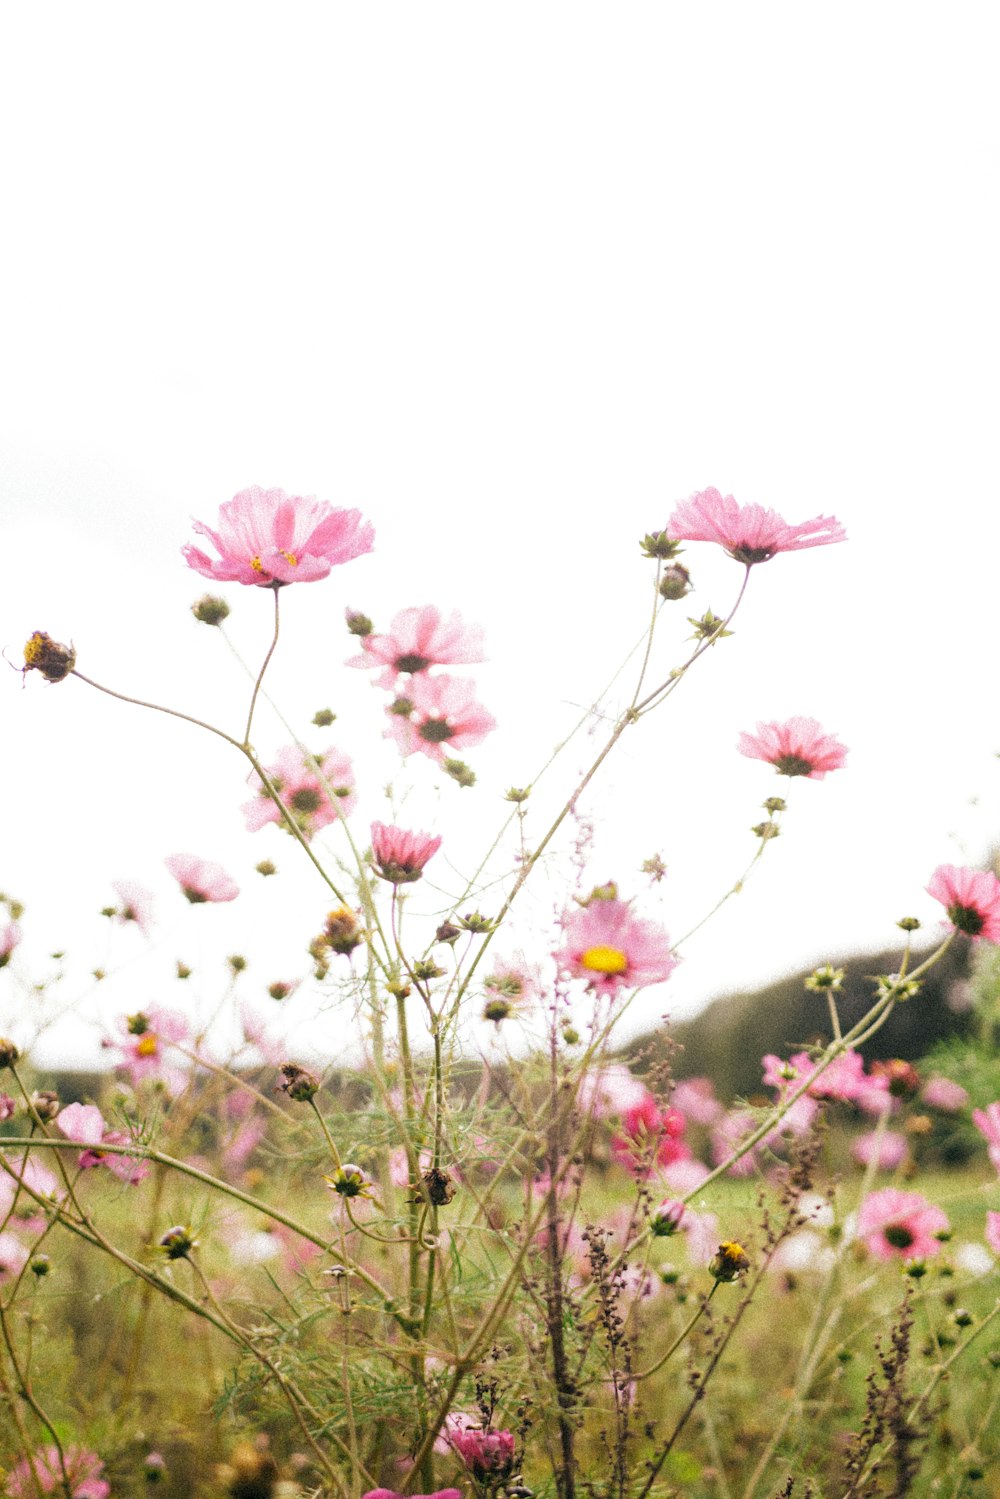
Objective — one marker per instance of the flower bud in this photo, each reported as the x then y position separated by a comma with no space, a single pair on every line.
341,932
517,794
357,623
279,990
266,867
497,1010
667,1218
459,772
300,1085
45,1104
825,978
729,1262
153,1467
909,924
178,1242
350,1181
439,1186
426,969
237,963
324,718
183,971
8,1053
446,932
42,653
708,626
40,1265
209,610
657,544
765,830
775,804
473,922
675,582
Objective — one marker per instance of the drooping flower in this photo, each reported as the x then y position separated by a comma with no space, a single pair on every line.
438,716
971,898
201,880
900,1225
399,855
749,533
612,949
136,905
987,1122
44,1471
798,747
301,791
85,1124
267,537
488,1454
417,640
147,1038
10,936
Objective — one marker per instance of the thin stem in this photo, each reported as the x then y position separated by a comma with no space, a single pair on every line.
275,588
139,702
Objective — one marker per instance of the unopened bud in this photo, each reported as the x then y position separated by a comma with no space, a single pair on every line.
675,582
427,969
40,1265
237,963
473,922
657,544
497,1010
183,971
357,623
209,610
909,924
447,932
297,1082
324,718
775,804
459,772
667,1218
517,794
350,1181
42,653
8,1053
178,1242
45,1104
266,867
341,932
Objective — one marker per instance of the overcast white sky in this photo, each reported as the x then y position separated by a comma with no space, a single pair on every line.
512,280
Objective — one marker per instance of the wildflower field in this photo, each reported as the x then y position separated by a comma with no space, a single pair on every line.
467,1246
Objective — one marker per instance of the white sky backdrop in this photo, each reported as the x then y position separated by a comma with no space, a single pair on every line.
512,280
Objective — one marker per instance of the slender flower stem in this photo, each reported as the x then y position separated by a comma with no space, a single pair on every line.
685,1332
275,589
139,702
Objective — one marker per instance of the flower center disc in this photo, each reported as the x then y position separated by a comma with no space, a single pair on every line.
602,959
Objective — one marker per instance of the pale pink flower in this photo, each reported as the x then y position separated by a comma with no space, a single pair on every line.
941,1093
613,950
668,1217
701,1235
136,904
802,1253
392,1494
32,1175
8,1107
993,1232
43,1471
695,1097
487,1454
437,716
971,897
796,748
417,640
148,1036
748,533
85,1124
256,1032
242,1145
887,1150
612,1090
200,880
399,856
10,936
684,1176
900,1225
301,792
13,1257
728,1134
510,982
987,1122
267,537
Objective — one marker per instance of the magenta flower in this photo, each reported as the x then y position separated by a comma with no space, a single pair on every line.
612,949
399,856
148,1036
43,1471
417,640
85,1124
437,716
136,905
971,897
649,1136
392,1494
10,936
488,1454
748,532
301,792
796,748
267,537
200,880
987,1122
900,1225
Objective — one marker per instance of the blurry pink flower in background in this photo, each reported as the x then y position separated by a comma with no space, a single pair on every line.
438,715
392,1494
612,1090
21,1181
798,747
417,640
266,536
886,1150
200,880
44,1472
900,1225
612,949
993,1232
701,1235
10,936
488,1454
257,1033
987,1122
971,897
730,1132
300,790
695,1097
136,904
399,856
941,1093
13,1257
148,1037
749,533
84,1123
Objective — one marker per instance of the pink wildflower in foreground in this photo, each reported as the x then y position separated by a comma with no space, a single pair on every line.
748,532
900,1225
136,905
85,1124
10,936
399,856
971,897
200,880
417,640
298,785
987,1122
83,1470
268,537
796,748
437,716
613,950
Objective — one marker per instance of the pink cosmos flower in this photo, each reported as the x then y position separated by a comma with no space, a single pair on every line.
748,532
900,1225
987,1122
888,1150
148,1037
400,856
267,537
488,1454
301,792
610,1091
971,897
392,1494
85,1124
993,1232
43,1471
200,880
13,1257
512,981
7,1107
944,1094
437,716
136,904
649,1136
695,1097
417,640
10,936
613,950
796,748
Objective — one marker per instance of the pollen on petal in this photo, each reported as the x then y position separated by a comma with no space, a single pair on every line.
603,959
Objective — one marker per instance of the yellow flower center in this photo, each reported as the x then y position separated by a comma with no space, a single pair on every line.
147,1045
291,558
256,564
602,959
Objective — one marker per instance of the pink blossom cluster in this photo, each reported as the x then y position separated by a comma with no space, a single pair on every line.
843,1081
43,1472
84,1123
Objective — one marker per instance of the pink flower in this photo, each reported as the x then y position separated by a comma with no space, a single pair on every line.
748,532
900,1225
695,1097
971,897
613,950
13,1257
43,1471
941,1093
136,904
796,748
649,1136
887,1150
418,639
610,1091
200,880
392,1494
301,792
666,1219
437,716
7,1107
489,1454
268,537
512,981
85,1124
10,936
400,856
993,1232
987,1122
148,1036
